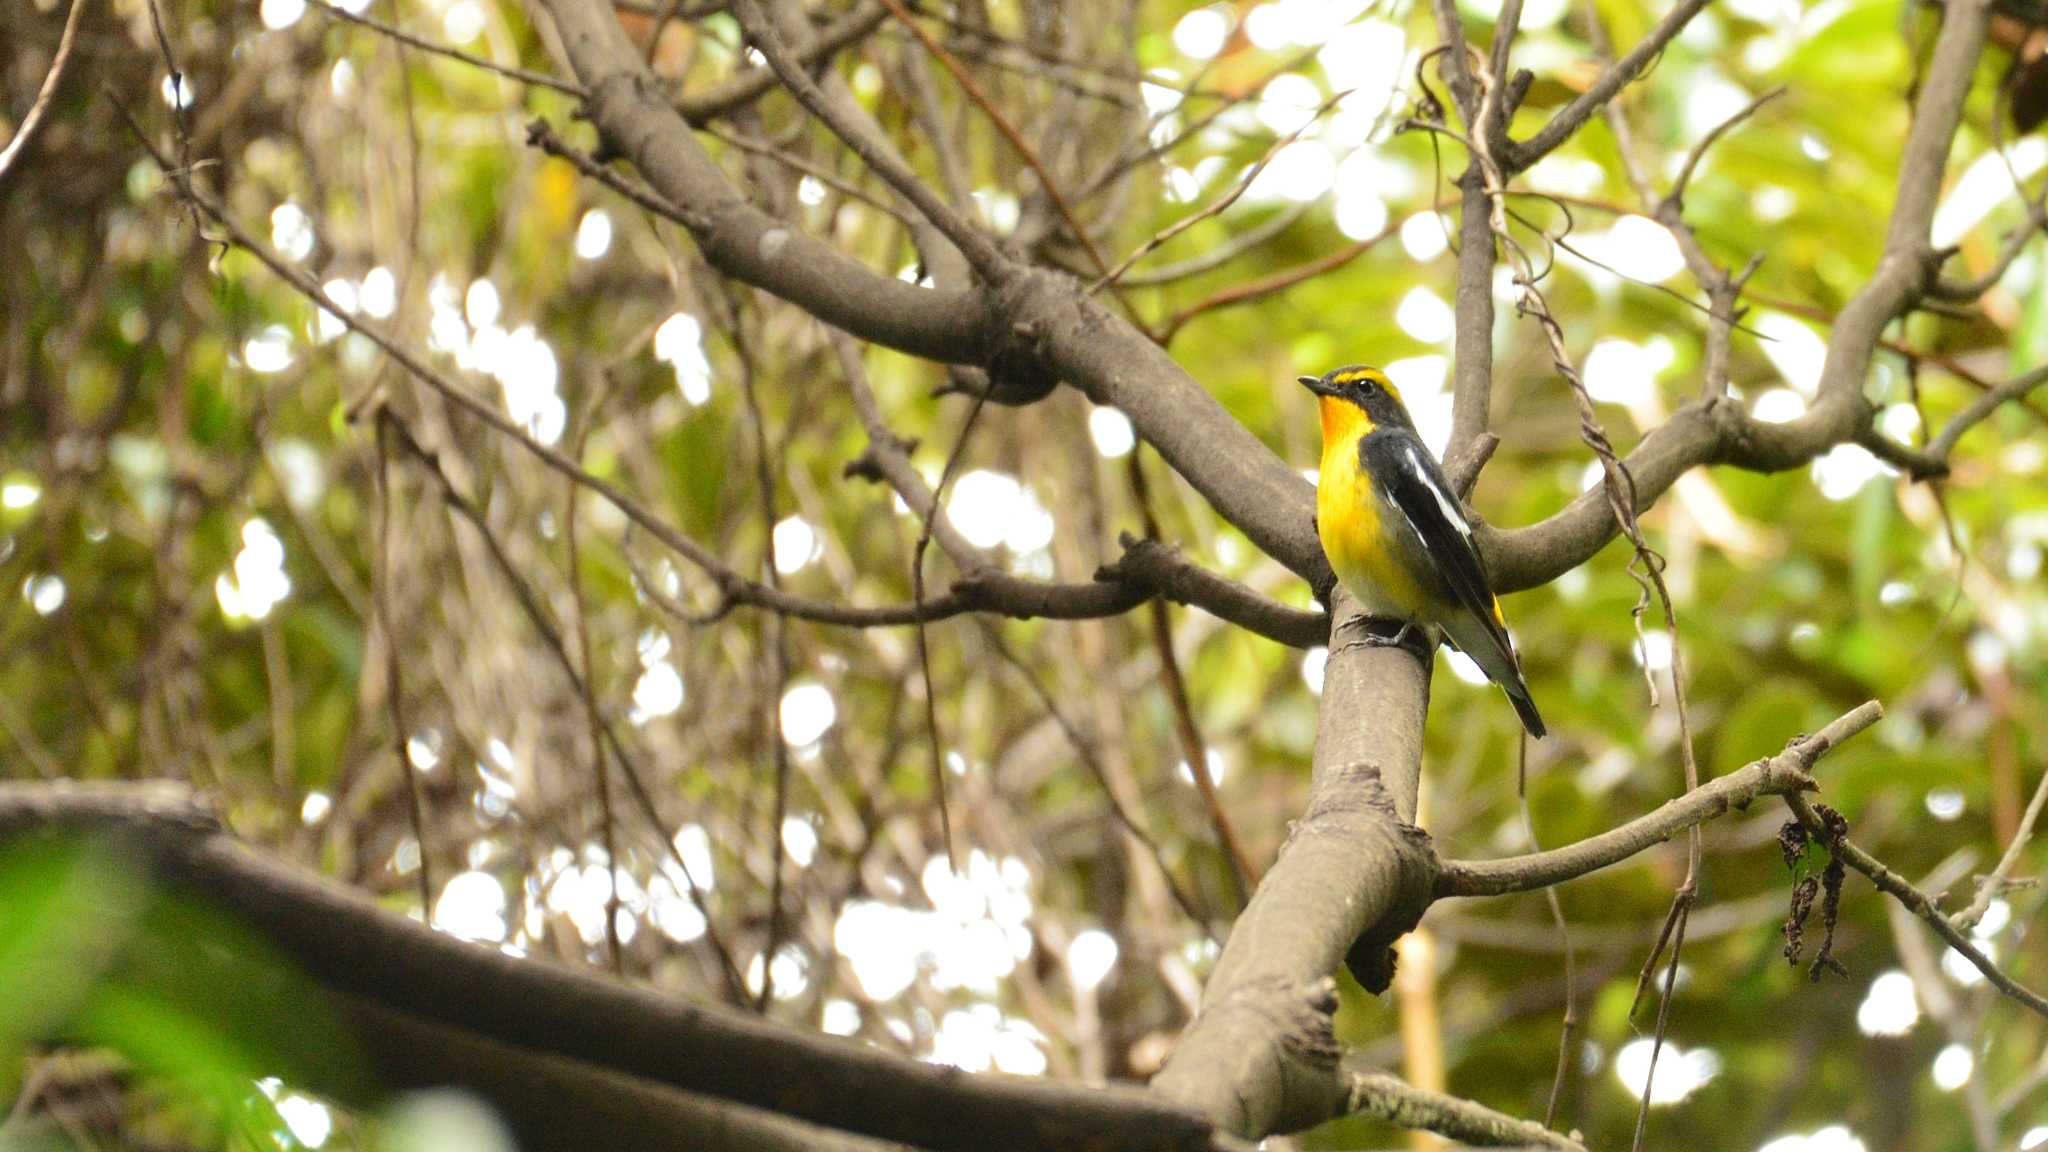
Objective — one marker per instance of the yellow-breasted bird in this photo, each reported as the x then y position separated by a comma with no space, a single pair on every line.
1395,532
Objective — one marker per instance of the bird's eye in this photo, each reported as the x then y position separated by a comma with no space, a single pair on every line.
1367,387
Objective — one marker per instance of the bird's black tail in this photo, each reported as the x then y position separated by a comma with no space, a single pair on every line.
1486,642
1525,707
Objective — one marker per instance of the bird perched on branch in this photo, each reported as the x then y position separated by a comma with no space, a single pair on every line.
1396,534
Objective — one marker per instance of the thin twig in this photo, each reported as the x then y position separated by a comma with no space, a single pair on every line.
551,637
1995,881
394,683
1273,283
977,246
1922,905
1699,150
818,172
1223,253
1003,125
38,116
1244,871
510,72
1216,206
924,648
1091,759
775,637
615,948
1570,1026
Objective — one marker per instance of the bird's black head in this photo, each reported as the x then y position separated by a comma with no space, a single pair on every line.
1368,389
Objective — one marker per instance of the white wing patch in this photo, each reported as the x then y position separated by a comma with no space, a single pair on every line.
1444,501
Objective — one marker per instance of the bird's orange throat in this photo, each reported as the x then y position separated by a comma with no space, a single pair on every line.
1343,423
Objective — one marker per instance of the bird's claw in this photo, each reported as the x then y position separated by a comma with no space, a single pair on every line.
1370,637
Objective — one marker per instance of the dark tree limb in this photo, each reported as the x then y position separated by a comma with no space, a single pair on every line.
738,239
509,1009
1162,568
556,1104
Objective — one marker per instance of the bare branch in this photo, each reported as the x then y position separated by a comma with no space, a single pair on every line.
1405,1106
1962,292
394,681
819,172
1699,150
1605,88
1923,906
1992,883
1223,253
392,31
740,240
1981,409
38,116
979,248
1788,771
1214,207
1003,125
1162,568
1269,284
742,89
1244,871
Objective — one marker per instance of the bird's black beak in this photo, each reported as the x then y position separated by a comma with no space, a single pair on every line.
1316,385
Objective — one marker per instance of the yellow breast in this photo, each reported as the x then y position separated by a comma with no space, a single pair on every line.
1348,521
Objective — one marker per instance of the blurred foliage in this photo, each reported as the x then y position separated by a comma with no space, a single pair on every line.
159,395
180,1025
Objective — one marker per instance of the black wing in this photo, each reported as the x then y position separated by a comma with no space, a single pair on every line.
1414,483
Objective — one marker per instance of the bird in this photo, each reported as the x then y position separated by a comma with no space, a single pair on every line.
1396,534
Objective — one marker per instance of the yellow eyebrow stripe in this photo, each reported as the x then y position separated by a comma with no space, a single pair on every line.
1355,377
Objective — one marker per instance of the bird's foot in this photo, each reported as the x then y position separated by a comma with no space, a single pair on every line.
1373,632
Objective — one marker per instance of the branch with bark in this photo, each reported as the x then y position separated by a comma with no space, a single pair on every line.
1259,1058
1356,871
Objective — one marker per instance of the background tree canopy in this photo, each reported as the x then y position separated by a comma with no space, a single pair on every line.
483,453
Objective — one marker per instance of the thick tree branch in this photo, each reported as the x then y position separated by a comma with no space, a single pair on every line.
521,1007
1354,874
556,1104
1162,568
1046,320
738,239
